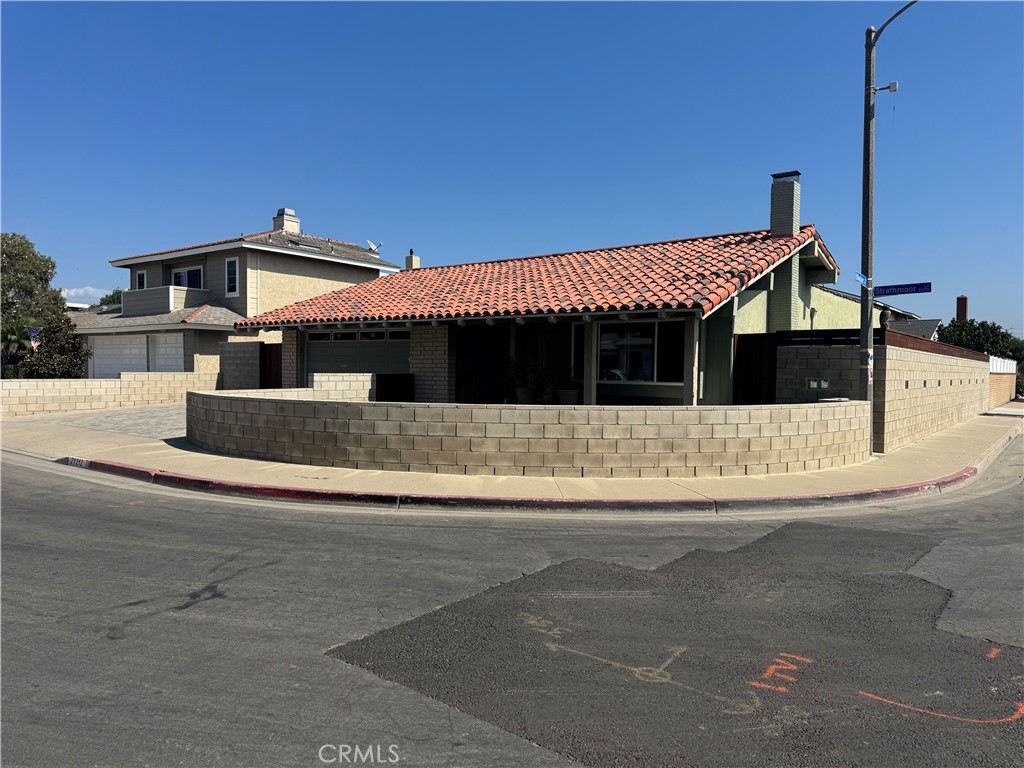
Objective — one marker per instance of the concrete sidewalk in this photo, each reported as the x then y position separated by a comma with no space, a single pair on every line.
146,443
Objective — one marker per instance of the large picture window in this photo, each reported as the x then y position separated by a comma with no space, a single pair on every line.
626,352
641,352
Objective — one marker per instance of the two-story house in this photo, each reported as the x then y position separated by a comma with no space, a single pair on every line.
183,302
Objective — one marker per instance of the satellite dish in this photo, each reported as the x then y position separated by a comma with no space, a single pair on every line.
373,247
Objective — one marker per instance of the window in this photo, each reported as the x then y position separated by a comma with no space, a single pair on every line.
626,352
372,335
231,276
644,351
345,335
669,362
140,280
187,277
319,336
398,335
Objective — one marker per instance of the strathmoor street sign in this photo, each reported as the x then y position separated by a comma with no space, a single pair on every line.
899,290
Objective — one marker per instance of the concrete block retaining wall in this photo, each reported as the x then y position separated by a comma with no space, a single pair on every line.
1002,381
797,369
923,393
240,364
915,393
309,427
1002,388
26,397
349,387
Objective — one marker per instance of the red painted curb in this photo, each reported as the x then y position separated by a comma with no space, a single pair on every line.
111,468
289,493
844,498
252,490
398,500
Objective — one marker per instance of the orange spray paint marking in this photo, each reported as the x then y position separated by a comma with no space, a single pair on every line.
780,663
798,658
779,688
993,653
1015,716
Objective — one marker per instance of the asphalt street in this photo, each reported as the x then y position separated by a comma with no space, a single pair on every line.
810,646
143,626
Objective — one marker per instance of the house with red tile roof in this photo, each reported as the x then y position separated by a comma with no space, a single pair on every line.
182,303
649,323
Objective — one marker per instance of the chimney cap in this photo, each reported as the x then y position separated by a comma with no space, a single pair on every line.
786,176
285,212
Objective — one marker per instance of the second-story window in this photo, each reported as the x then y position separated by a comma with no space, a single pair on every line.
140,280
231,277
189,277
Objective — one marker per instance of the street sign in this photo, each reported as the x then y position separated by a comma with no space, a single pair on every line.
899,290
861,279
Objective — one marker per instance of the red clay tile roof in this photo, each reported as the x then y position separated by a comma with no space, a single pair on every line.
695,274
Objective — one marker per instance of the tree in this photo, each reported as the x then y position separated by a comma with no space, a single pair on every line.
26,297
983,336
60,355
114,297
990,338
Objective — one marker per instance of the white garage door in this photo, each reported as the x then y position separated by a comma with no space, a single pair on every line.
113,354
166,352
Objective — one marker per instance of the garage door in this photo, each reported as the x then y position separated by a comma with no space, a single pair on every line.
113,354
166,352
357,352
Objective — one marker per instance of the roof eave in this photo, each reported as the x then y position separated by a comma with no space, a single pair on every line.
163,327
549,316
131,261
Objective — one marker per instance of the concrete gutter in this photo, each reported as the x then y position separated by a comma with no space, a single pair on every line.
400,500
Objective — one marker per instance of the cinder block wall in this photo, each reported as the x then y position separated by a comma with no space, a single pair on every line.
240,364
26,397
305,427
798,368
289,357
915,393
922,392
432,363
347,387
1002,388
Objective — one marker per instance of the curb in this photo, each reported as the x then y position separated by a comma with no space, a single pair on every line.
399,500
846,498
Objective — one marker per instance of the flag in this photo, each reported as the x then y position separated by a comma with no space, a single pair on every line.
33,336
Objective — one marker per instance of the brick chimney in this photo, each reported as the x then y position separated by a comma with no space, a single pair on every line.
412,261
287,221
961,307
785,216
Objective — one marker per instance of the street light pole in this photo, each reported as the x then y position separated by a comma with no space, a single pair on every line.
867,256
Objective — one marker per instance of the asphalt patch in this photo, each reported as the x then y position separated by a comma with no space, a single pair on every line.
811,646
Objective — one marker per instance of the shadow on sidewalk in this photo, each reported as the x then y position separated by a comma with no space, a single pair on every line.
184,444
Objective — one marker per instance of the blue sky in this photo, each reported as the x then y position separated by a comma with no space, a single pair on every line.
473,131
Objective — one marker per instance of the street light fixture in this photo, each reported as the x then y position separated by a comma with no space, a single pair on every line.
867,291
